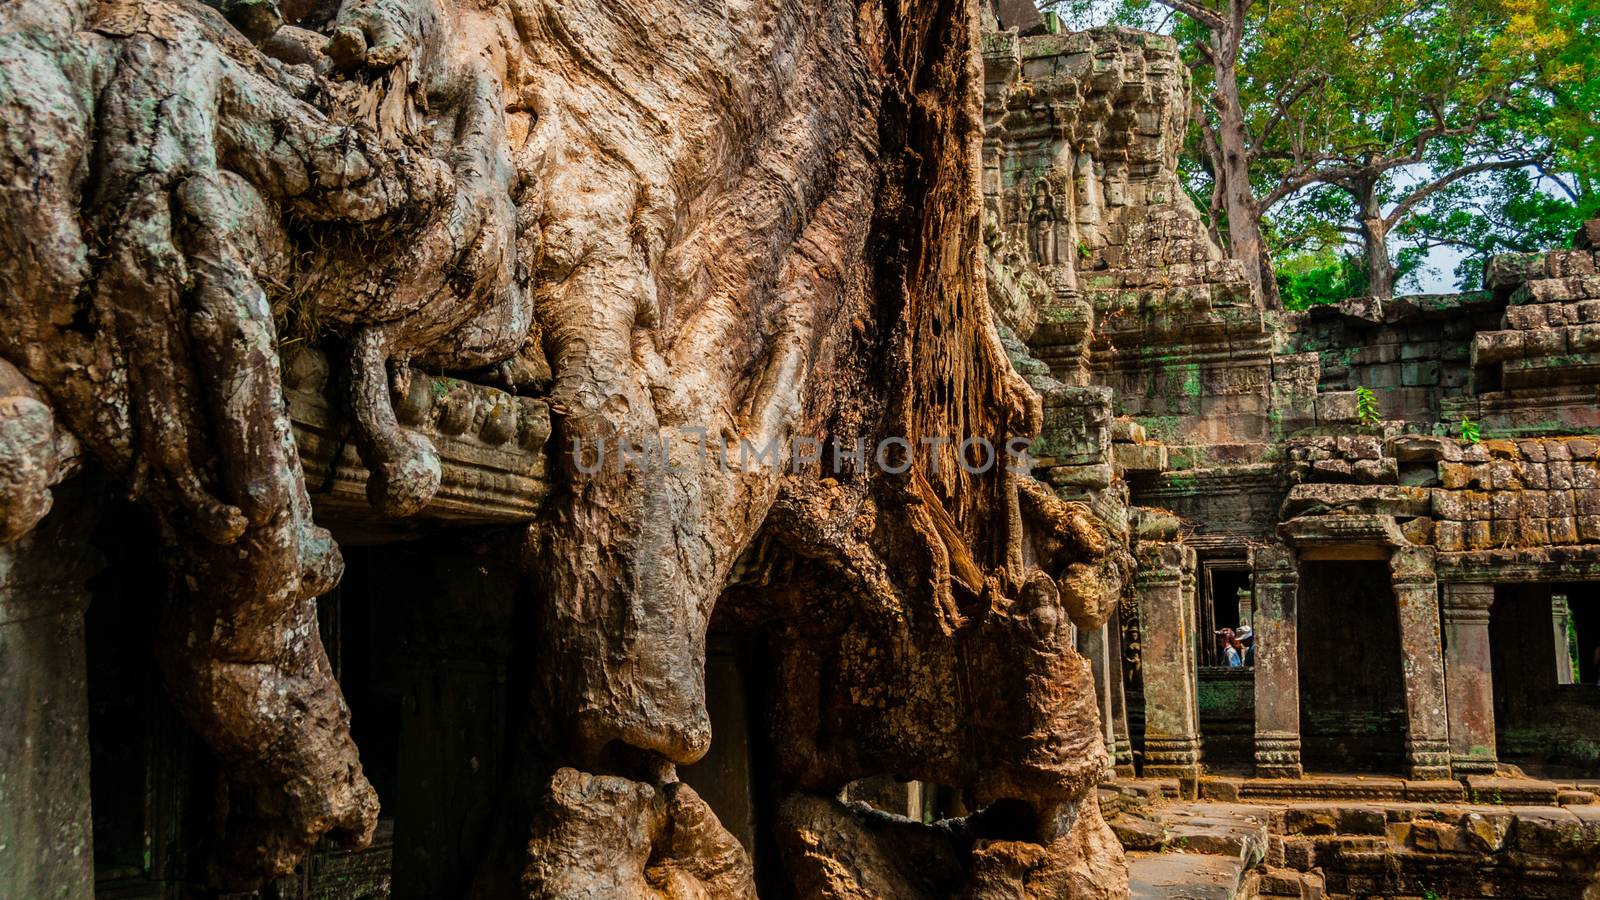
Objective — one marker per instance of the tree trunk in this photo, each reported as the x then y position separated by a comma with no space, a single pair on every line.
1376,262
1244,218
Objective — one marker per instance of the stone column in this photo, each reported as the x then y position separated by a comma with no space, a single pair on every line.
1095,647
46,836
1422,663
1469,678
1277,668
1189,589
1559,613
1171,721
1247,607
1122,746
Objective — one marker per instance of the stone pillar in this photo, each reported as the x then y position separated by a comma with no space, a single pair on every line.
1559,613
1469,678
1122,746
1422,663
1171,721
1277,668
46,836
1247,607
1094,646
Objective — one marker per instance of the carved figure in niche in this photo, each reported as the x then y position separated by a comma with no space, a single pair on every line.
1042,224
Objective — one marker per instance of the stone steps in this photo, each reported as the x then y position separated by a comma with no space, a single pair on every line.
1485,789
1185,876
1311,849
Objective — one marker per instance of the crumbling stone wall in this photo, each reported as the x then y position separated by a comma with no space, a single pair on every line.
1411,353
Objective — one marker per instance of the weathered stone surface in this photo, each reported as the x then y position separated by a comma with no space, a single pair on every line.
46,835
1173,876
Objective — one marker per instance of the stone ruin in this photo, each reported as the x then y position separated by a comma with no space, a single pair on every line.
307,588
1425,607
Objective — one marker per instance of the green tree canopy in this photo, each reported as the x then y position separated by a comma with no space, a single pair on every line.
1387,125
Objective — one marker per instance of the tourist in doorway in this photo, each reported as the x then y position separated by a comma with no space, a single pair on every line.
1232,650
1246,638
1224,639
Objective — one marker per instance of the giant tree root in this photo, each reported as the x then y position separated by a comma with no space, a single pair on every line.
605,836
839,851
734,228
160,172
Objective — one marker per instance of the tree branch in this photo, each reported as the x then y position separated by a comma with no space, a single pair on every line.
1293,183
1449,178
1196,12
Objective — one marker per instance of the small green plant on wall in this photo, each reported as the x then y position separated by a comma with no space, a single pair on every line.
1469,431
1367,406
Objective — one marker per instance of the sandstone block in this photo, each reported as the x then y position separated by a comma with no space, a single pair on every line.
1150,457
1336,408
1485,832
1536,475
1456,476
1536,504
1568,263
1449,537
1505,476
1504,532
1558,472
1549,831
1562,530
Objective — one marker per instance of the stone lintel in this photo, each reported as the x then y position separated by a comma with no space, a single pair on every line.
1343,537
491,448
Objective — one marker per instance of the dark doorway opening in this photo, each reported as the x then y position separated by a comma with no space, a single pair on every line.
1583,605
1225,696
143,762
1352,687
1220,605
1546,703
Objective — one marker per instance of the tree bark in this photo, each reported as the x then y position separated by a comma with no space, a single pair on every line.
723,231
1233,154
1376,262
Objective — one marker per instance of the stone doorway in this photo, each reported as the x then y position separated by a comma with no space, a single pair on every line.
1583,604
1352,687
1542,640
1221,605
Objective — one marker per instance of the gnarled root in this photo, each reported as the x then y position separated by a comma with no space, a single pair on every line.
1091,565
835,851
404,466
605,836
280,729
35,454
245,663
158,347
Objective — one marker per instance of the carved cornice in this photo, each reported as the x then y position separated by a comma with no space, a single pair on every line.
1333,536
491,447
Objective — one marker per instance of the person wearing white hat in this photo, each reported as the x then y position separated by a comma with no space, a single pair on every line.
1245,637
